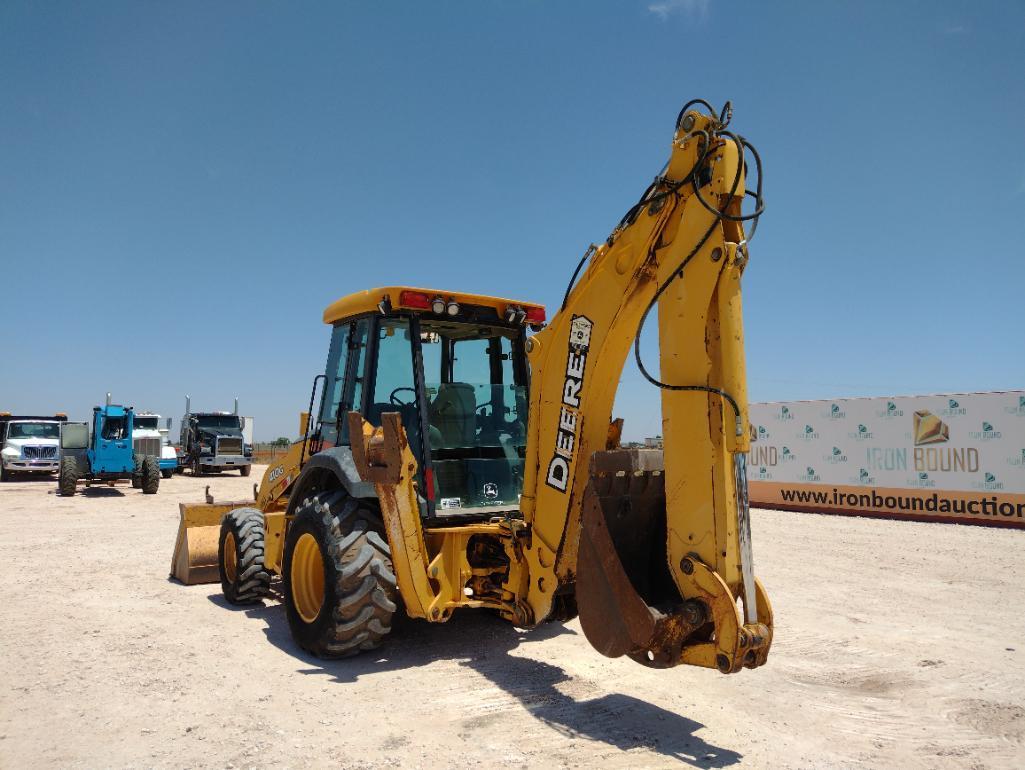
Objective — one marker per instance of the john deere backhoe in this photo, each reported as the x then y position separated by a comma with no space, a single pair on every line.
459,460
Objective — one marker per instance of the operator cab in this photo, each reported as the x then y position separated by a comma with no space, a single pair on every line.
454,367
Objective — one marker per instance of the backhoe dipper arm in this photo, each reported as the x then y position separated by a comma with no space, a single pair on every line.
683,248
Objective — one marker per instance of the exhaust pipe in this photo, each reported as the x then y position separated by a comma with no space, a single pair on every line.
108,399
236,404
188,404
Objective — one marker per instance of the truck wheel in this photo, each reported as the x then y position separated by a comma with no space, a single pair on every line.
166,472
137,473
339,583
5,475
195,467
67,478
244,578
244,470
150,481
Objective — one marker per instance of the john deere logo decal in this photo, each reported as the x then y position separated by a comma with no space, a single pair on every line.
566,435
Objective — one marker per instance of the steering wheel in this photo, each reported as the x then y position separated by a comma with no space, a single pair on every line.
395,401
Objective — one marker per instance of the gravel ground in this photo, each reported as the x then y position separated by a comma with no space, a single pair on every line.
897,644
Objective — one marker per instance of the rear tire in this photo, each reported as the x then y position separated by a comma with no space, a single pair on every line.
240,550
150,475
67,477
166,473
245,469
338,538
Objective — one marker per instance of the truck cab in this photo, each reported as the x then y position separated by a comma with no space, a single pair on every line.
29,444
150,439
212,442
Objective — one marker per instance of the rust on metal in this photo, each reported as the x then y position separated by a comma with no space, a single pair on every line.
618,579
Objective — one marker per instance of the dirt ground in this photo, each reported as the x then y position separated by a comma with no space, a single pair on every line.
898,644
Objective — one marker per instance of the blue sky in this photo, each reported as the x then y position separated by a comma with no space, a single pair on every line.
185,186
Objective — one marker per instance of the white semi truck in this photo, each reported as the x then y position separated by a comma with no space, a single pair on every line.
29,444
149,438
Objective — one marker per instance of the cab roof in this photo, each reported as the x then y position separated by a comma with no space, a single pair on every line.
404,298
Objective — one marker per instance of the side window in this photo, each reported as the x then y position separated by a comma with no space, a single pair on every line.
337,361
393,387
352,392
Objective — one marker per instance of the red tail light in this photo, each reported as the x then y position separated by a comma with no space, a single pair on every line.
429,481
535,315
415,299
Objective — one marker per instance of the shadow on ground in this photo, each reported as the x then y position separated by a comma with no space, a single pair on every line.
484,643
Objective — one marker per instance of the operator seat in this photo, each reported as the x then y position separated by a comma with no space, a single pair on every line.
454,413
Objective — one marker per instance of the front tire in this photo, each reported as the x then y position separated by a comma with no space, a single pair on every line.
165,473
244,470
339,582
67,477
150,475
240,550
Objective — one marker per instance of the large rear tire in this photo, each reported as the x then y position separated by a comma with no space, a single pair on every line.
240,551
150,475
137,473
67,477
339,582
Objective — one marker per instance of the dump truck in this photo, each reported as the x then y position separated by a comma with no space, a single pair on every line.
464,452
212,442
102,453
29,444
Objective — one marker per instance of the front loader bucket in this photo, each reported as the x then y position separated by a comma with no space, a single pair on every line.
195,550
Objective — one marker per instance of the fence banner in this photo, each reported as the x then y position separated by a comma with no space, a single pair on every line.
957,457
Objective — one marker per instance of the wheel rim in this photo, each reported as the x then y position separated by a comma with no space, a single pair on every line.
307,578
230,558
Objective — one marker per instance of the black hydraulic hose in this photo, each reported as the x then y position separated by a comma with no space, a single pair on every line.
672,188
678,273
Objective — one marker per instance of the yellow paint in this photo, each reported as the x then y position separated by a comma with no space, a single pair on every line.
367,301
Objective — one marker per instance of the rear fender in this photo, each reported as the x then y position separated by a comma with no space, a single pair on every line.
331,468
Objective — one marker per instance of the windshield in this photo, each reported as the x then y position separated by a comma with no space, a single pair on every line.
476,394
145,423
218,421
34,430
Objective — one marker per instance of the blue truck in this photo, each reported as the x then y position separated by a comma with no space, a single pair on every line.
103,453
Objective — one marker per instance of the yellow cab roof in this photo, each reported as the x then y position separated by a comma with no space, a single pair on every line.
367,301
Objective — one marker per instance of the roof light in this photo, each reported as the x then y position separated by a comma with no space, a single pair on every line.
416,299
535,315
438,305
452,307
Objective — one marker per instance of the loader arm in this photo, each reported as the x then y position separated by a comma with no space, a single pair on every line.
681,248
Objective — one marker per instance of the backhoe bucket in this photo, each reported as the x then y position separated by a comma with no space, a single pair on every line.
195,550
627,601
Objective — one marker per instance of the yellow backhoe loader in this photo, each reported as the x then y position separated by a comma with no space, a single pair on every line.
464,454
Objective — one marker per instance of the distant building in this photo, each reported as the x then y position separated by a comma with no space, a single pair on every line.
654,442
